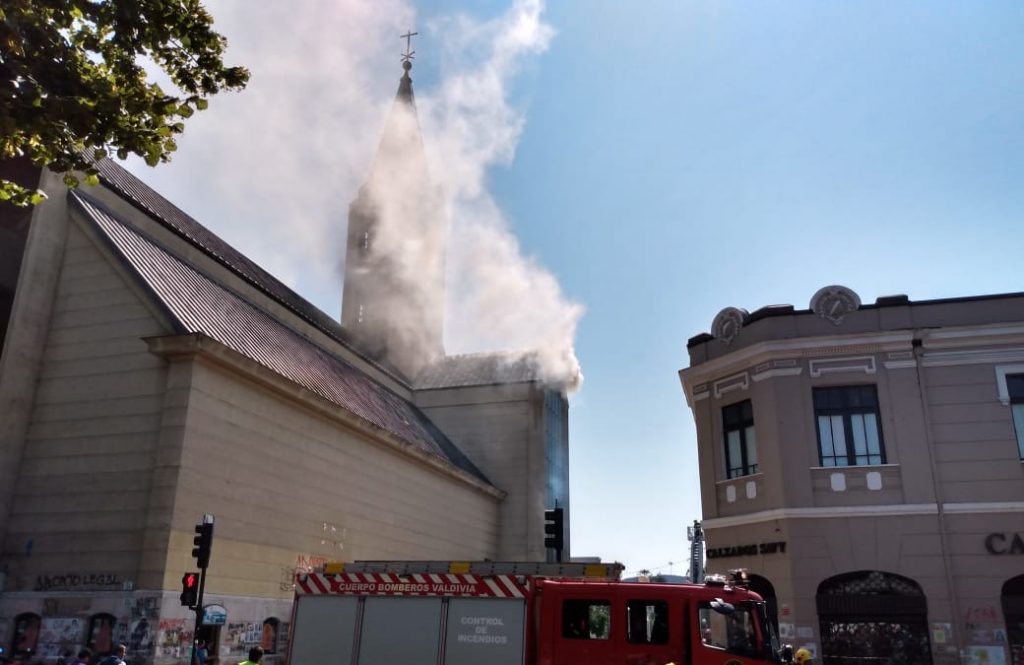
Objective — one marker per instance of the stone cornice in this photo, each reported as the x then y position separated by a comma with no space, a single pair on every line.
953,345
845,512
793,348
953,337
198,345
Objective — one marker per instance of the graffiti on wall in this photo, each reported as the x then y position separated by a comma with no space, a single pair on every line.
304,563
173,638
148,607
59,637
140,638
238,637
984,626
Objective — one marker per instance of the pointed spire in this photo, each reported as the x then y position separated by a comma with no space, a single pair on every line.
393,301
405,85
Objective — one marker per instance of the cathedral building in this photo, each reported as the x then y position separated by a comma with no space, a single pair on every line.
152,374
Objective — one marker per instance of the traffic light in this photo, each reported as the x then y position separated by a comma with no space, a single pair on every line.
189,589
203,542
553,533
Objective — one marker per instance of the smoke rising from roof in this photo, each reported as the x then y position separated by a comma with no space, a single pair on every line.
273,169
499,299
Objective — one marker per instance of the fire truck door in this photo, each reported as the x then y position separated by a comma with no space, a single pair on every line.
728,634
654,631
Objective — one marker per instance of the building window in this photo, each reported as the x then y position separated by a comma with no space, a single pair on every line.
848,429
1015,388
740,443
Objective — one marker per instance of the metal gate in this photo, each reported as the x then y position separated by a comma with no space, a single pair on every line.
1013,610
873,618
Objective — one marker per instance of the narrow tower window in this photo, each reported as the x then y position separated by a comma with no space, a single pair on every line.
740,442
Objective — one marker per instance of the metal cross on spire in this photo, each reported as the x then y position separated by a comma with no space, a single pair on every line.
408,55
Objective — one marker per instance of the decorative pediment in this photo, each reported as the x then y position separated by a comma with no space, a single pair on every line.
727,323
834,302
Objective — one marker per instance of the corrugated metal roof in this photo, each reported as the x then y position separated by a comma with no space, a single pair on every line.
159,208
198,304
477,369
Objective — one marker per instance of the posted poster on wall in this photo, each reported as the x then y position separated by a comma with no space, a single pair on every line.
983,655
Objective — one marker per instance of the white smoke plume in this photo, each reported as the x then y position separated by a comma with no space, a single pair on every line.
274,168
499,299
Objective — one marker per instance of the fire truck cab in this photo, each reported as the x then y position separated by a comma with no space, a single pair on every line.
612,623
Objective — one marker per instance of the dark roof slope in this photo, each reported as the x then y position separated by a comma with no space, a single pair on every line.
198,304
143,197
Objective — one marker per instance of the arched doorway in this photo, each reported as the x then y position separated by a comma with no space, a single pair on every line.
1013,611
869,617
26,635
100,638
762,587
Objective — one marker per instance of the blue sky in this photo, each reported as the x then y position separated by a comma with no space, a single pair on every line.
676,158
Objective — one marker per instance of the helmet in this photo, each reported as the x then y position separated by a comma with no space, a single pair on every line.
802,656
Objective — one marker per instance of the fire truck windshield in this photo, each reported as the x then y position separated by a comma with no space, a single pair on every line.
741,629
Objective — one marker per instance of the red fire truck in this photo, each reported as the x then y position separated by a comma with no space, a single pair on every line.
491,613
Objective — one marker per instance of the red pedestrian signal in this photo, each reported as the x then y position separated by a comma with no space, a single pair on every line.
189,589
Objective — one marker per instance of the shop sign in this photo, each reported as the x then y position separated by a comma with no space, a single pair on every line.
77,581
215,615
1004,543
778,547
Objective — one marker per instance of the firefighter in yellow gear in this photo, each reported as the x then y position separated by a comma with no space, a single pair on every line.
802,656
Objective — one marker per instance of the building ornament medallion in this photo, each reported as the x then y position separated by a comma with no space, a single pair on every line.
834,302
727,324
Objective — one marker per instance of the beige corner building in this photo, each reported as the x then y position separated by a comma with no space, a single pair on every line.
151,374
864,463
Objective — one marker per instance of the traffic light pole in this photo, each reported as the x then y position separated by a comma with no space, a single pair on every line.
203,545
199,616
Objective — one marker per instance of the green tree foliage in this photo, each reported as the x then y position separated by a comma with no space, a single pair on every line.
72,81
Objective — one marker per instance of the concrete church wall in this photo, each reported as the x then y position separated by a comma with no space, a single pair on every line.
289,487
83,486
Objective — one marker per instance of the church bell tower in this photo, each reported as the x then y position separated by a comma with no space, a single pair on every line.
393,298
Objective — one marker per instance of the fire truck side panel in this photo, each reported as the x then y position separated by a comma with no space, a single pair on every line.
485,630
324,630
400,630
